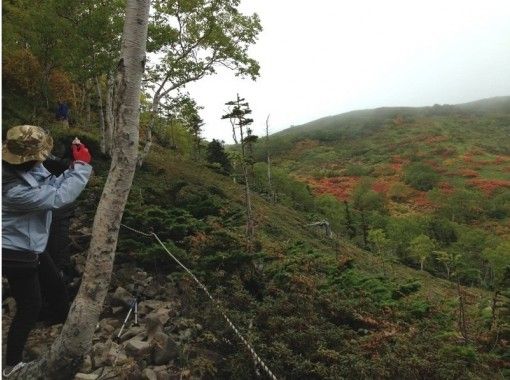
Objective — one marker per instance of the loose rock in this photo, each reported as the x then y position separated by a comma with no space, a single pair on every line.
85,376
121,297
138,348
164,350
149,374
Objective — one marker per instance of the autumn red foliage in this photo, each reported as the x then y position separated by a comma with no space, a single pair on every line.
488,186
446,188
339,187
421,201
469,173
501,159
397,162
467,157
381,186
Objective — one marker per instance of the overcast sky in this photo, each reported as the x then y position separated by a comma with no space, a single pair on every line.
325,57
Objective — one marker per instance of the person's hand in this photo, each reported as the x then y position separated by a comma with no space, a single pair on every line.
81,153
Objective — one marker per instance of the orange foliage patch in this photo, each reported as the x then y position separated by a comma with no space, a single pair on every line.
467,157
469,173
446,188
61,86
397,162
488,186
339,187
397,159
501,159
21,69
421,201
381,186
435,139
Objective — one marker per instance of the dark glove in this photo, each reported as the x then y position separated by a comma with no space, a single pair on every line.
81,153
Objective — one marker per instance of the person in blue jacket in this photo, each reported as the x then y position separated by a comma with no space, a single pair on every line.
62,113
29,195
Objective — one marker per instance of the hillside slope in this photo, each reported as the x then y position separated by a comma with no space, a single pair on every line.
345,121
311,306
462,152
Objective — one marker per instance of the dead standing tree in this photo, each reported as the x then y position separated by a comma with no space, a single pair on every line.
66,353
237,114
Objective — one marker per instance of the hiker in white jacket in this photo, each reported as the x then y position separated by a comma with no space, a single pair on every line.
29,194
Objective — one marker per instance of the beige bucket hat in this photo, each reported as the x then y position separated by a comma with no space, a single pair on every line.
26,143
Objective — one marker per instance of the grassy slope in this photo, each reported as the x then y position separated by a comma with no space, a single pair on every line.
304,278
318,308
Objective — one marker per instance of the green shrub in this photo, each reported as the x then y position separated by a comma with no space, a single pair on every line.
465,354
399,192
420,176
381,170
418,309
406,289
170,224
199,201
358,170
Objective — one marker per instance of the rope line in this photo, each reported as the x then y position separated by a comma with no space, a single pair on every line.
214,301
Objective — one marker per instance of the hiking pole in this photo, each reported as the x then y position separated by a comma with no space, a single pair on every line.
133,306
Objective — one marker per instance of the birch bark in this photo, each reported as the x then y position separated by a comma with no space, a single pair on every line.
110,120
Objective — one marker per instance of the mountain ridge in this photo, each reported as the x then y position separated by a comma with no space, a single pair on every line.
491,104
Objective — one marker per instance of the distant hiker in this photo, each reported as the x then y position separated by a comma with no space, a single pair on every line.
29,195
62,113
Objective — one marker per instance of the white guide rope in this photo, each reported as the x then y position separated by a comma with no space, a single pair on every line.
215,302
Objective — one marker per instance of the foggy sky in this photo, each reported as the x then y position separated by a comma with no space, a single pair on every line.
327,57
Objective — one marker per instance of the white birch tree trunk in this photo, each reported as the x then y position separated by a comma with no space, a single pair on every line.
66,353
110,120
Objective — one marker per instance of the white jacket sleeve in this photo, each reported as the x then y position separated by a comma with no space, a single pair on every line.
26,198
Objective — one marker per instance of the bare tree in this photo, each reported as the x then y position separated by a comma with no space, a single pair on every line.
64,356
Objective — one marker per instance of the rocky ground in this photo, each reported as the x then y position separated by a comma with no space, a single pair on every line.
149,349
